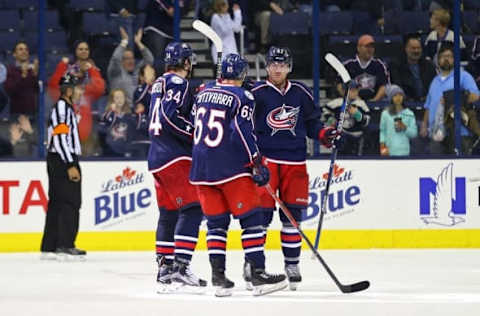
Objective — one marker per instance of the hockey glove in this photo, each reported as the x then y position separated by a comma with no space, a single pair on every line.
261,174
330,137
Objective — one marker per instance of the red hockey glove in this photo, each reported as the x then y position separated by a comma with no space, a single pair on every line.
329,137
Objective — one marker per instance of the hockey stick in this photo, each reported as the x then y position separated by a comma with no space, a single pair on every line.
356,287
338,66
206,30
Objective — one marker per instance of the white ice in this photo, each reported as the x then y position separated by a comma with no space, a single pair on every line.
403,282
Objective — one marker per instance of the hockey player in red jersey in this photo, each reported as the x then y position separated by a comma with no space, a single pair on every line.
284,116
226,164
169,160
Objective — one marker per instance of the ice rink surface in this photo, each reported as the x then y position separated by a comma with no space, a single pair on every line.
404,282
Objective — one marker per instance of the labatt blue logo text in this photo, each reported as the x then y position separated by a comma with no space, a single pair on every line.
337,199
113,203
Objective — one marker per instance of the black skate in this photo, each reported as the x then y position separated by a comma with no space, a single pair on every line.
223,286
185,277
294,276
265,283
70,254
164,276
247,276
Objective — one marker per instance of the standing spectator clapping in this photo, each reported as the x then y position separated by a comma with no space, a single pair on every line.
397,125
21,84
122,69
224,26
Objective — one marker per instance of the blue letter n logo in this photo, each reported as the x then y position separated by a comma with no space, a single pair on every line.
449,199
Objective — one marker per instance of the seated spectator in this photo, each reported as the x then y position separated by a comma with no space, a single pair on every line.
117,125
140,141
3,94
122,69
123,14
21,84
357,118
397,125
19,137
474,65
142,95
224,26
263,9
369,73
433,129
90,79
469,122
412,71
439,22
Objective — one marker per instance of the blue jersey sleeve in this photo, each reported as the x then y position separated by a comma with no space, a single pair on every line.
312,113
243,123
170,108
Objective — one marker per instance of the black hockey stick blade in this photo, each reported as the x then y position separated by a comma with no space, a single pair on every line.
356,287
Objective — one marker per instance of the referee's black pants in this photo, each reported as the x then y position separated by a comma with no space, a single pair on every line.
61,224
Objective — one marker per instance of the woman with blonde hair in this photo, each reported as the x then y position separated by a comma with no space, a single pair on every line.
224,26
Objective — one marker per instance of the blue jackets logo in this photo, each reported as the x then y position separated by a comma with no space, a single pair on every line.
448,195
283,118
122,197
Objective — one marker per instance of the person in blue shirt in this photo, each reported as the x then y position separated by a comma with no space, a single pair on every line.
433,125
397,125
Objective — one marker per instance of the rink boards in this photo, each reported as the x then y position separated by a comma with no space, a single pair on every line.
372,204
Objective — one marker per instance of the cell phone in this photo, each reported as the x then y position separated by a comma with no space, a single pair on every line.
397,119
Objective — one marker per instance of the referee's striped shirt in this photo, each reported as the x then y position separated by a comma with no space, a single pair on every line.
63,136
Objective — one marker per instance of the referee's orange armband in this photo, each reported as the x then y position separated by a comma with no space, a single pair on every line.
61,129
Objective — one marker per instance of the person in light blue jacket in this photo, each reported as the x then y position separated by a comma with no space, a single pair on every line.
397,125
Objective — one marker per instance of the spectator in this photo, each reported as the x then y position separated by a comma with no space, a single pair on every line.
433,121
140,141
123,14
116,125
412,71
224,26
263,9
88,77
469,123
21,84
19,137
475,63
3,94
122,70
439,22
158,28
370,74
397,125
357,118
141,97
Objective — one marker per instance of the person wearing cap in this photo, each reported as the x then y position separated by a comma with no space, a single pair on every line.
90,77
370,74
397,125
64,176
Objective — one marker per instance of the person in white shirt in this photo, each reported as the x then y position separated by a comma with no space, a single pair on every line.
224,26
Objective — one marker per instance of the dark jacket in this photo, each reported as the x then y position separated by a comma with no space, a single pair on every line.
401,75
22,91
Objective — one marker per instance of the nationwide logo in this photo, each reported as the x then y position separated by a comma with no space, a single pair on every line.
123,195
443,200
283,118
342,196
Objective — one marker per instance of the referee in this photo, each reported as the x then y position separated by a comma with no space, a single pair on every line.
64,176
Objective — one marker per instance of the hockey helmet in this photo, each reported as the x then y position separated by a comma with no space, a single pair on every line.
279,55
177,52
234,67
68,79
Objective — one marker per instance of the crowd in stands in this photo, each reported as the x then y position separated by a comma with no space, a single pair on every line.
400,103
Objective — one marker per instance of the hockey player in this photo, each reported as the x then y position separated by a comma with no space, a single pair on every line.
169,160
284,115
226,165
